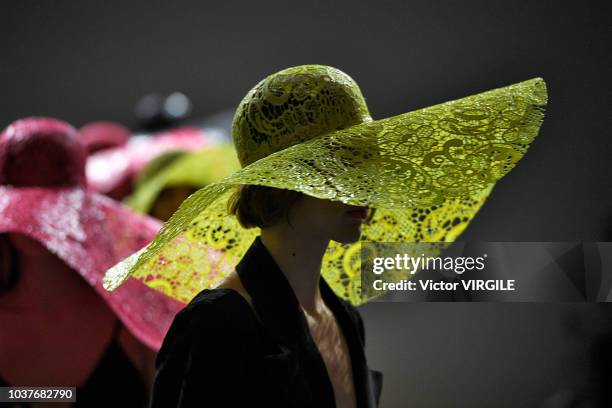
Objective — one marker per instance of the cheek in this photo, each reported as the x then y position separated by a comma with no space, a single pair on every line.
322,220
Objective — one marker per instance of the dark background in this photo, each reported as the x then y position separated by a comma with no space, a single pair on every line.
83,61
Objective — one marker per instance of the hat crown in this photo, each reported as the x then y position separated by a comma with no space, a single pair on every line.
41,152
295,105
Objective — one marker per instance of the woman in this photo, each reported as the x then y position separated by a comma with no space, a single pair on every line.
277,329
70,340
278,334
59,326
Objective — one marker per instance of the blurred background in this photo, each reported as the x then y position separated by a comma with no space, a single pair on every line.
85,61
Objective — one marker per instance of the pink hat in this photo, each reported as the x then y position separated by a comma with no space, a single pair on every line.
43,196
96,136
108,170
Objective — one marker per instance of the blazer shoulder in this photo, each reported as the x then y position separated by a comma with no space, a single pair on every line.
206,353
219,308
221,300
216,314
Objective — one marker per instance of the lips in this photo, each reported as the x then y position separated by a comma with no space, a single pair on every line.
358,212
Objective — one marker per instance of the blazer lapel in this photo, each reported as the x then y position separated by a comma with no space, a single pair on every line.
297,355
278,309
367,383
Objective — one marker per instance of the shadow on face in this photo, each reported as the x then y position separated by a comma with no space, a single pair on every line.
326,219
268,207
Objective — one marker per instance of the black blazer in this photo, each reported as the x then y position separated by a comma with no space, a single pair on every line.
220,353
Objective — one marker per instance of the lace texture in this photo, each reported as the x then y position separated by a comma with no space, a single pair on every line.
307,129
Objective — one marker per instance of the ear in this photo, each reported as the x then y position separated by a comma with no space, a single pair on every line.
9,264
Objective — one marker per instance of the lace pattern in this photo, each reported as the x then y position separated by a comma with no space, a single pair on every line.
427,173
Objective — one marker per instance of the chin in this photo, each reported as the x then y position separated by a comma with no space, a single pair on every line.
348,235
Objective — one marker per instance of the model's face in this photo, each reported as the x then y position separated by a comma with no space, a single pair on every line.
327,219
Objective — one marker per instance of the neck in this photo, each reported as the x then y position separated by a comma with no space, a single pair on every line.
299,258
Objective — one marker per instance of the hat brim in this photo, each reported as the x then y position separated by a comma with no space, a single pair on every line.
194,169
427,172
90,233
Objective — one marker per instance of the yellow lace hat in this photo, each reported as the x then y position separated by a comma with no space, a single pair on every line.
181,168
308,129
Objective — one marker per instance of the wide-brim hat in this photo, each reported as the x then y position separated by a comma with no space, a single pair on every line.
87,231
108,169
194,169
427,173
